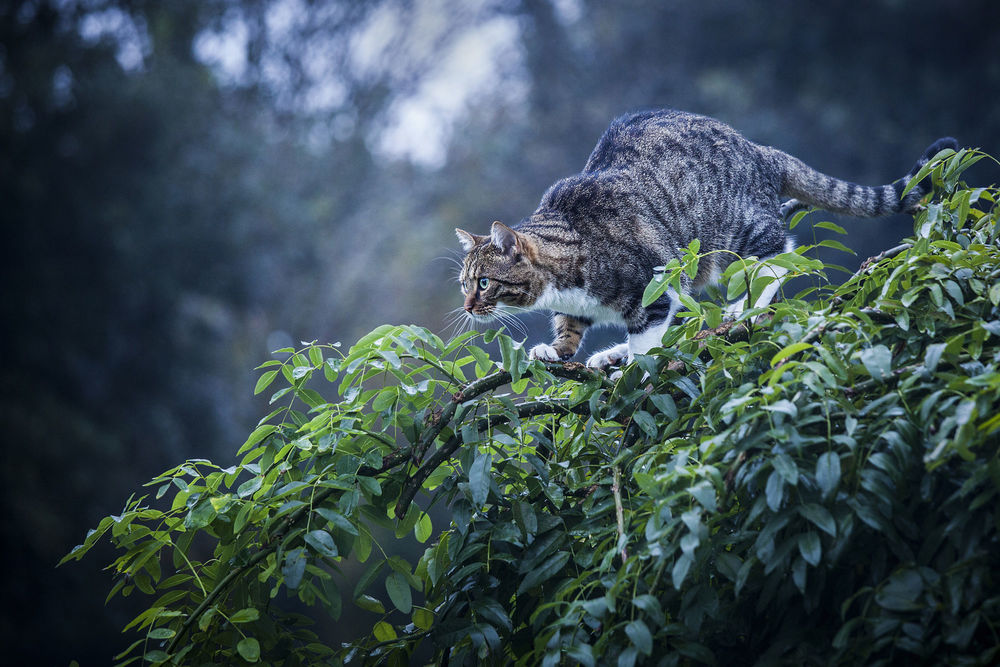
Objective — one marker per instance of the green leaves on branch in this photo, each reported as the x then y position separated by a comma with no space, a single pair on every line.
818,485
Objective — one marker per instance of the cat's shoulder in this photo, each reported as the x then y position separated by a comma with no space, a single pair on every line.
661,118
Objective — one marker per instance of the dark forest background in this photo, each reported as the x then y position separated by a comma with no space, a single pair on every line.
186,186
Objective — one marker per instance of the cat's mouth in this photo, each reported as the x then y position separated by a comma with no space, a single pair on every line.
497,314
486,314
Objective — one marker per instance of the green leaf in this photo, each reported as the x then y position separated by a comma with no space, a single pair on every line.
786,467
737,284
161,633
384,632
479,478
933,356
640,636
423,529
423,618
810,548
249,649
788,351
831,226
337,519
704,493
155,656
645,422
665,404
294,568
900,593
399,592
258,434
370,485
322,543
264,381
250,487
511,355
247,615
828,472
820,517
368,603
385,399
581,653
878,361
836,245
365,580
680,569
654,290
994,294
774,490
544,572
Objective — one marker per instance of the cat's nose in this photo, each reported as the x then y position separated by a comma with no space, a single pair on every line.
470,303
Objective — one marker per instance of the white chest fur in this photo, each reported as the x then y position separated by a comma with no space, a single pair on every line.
576,301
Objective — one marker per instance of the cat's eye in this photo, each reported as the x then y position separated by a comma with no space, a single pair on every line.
484,283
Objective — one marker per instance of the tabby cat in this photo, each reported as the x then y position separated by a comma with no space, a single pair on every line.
655,181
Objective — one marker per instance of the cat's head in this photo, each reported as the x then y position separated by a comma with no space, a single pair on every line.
499,269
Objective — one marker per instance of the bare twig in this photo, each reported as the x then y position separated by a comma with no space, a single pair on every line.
619,512
872,261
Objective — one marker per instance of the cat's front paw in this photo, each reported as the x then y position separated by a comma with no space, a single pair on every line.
544,352
608,357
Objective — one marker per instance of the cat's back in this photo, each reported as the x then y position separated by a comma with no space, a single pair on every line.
662,137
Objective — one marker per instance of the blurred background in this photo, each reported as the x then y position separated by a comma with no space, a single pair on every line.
188,185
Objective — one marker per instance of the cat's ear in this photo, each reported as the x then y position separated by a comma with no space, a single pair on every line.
468,241
505,238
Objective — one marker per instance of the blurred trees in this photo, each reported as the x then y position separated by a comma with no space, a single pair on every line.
187,185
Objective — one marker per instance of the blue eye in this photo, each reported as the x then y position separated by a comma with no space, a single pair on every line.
484,283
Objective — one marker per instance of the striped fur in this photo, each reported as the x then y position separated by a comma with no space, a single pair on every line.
812,188
655,181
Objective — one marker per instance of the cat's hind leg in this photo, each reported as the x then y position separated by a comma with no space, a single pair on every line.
791,207
609,357
761,269
641,340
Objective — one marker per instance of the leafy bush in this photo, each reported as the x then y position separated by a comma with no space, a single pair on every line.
814,484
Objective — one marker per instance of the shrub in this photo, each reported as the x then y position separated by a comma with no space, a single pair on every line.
814,484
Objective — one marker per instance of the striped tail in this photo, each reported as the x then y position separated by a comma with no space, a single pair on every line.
812,188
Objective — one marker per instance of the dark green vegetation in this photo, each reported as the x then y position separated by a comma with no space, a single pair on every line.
817,485
163,222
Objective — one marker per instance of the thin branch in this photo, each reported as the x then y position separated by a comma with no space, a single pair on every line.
216,592
732,332
872,261
445,451
619,512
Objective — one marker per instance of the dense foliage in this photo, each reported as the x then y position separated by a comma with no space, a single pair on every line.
187,185
814,484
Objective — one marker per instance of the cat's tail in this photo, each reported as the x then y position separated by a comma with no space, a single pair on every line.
812,188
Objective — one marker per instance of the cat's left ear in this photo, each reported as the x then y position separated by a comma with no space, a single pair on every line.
468,241
506,239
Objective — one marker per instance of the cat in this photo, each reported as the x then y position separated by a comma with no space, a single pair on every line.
655,181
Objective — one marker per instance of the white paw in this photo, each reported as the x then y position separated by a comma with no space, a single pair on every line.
608,357
544,353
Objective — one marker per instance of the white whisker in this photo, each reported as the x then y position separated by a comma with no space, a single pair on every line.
510,322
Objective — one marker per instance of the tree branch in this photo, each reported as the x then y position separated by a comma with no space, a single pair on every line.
445,451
